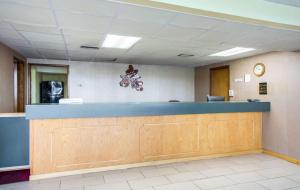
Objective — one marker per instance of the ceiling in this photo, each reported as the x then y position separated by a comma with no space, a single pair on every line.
294,3
55,29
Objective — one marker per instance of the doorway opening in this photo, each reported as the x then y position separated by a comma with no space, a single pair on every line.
219,82
48,83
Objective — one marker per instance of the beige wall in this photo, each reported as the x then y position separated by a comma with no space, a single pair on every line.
7,79
281,127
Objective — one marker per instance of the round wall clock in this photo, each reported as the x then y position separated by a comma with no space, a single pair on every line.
259,69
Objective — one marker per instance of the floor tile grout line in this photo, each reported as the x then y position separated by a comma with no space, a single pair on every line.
274,179
59,184
286,177
129,185
262,185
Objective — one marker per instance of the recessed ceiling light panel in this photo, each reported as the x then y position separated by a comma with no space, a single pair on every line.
121,42
233,51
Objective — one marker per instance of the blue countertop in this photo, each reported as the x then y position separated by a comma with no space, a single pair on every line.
92,110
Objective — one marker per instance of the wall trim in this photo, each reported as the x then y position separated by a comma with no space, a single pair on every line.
12,115
282,156
143,164
5,169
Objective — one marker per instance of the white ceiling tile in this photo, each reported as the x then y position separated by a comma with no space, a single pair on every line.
48,45
83,22
192,21
120,60
262,38
82,34
214,38
81,58
41,37
279,34
137,53
76,47
205,51
228,26
109,52
199,44
15,42
144,14
36,28
83,52
28,15
82,55
91,7
75,39
165,55
5,25
53,54
35,3
173,33
9,33
285,45
133,28
106,59
28,52
149,46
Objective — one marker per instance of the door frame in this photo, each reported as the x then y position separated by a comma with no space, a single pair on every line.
46,65
210,77
19,83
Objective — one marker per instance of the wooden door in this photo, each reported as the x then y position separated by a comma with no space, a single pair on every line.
219,82
19,85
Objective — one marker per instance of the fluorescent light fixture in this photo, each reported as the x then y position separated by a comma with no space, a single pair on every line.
122,42
233,51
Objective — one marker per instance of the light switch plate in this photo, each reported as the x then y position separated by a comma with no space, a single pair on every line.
231,93
247,77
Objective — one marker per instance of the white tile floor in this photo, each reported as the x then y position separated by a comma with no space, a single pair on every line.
247,172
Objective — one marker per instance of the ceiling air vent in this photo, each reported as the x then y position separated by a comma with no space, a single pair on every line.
185,55
105,59
89,47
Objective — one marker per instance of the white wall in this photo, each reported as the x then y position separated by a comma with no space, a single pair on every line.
99,82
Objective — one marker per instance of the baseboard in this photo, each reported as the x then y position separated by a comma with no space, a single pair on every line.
152,163
282,156
14,176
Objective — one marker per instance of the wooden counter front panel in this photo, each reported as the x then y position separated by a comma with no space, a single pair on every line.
169,139
72,144
58,145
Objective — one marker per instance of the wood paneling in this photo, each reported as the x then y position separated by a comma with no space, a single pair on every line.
59,145
163,140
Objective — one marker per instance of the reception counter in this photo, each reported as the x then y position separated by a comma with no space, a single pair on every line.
72,139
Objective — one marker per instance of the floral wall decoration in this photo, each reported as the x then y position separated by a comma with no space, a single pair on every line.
132,78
